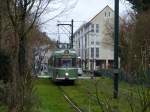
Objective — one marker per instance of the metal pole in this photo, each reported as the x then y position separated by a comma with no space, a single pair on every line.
0,22
93,69
116,43
58,34
72,33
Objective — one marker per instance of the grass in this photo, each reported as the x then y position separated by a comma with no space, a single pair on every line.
84,94
3,108
51,100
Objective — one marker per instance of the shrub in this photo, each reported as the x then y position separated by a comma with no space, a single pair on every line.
5,75
5,67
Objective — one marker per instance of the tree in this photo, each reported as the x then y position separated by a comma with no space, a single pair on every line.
5,67
23,14
37,40
141,39
3,17
126,40
140,5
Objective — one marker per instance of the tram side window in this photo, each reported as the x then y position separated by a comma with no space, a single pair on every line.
74,62
57,62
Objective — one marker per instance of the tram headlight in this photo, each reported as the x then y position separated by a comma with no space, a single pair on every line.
66,74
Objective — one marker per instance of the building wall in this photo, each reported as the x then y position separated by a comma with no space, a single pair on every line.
86,40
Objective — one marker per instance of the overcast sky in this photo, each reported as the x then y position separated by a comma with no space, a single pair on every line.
83,11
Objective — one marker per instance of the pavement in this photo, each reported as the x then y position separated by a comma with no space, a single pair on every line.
84,76
43,76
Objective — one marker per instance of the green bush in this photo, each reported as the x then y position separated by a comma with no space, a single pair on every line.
5,75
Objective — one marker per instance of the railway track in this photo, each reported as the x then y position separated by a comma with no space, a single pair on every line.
70,101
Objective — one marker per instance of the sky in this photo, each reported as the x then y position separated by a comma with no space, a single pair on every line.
82,12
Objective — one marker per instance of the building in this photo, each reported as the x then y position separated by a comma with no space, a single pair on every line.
94,43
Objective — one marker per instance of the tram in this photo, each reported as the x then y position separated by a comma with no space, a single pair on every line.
63,64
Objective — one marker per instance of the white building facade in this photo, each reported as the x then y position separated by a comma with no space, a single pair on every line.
94,44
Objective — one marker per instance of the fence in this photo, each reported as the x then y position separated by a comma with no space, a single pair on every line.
138,77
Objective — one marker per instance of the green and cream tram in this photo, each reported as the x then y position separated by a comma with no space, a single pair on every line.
63,65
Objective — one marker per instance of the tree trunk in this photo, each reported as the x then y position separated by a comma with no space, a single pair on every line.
22,69
22,62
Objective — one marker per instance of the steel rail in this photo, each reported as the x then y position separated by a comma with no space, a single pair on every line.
70,101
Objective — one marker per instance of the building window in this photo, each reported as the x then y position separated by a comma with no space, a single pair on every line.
97,52
92,28
92,42
92,52
88,52
81,31
105,14
97,28
97,43
79,43
109,14
78,33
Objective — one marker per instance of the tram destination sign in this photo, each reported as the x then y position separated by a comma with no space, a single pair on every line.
66,56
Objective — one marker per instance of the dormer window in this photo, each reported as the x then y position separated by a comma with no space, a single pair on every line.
107,14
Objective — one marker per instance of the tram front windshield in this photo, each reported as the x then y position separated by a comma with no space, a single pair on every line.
65,63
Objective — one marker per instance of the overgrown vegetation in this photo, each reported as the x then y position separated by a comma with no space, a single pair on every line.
19,33
134,47
140,5
97,96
